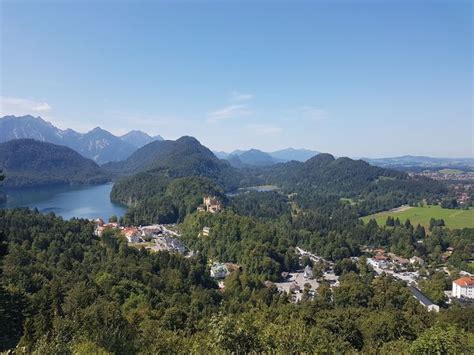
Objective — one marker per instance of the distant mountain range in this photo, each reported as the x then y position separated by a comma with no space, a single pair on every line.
255,157
28,163
97,144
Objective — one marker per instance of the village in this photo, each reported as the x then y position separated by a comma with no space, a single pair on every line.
306,281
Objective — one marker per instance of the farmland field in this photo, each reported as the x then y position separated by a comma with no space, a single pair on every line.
451,171
453,218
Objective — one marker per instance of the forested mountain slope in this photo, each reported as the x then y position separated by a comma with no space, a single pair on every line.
27,162
64,290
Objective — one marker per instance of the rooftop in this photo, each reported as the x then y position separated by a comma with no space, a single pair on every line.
465,281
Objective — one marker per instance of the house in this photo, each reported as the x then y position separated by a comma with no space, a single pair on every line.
464,287
101,227
212,204
424,301
169,244
132,234
416,260
151,231
294,288
205,231
134,238
99,222
398,259
219,271
308,272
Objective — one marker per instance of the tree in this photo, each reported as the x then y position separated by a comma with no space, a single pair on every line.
443,340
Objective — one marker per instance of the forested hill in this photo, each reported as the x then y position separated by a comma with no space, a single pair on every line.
370,189
27,162
325,172
181,158
161,171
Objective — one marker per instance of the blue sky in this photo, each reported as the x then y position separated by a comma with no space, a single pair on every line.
356,78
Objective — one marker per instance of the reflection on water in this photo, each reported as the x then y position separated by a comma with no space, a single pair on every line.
67,201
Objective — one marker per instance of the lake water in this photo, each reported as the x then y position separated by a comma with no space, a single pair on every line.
68,201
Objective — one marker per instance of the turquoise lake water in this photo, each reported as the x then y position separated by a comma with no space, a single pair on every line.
68,201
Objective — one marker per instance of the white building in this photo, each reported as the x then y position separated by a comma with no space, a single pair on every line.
464,287
308,272
424,301
219,271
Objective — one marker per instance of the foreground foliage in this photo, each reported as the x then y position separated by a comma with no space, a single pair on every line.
63,290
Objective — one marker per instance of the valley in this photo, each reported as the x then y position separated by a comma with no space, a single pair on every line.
252,240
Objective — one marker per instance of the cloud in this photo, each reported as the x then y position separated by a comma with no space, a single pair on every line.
239,96
264,129
19,106
227,112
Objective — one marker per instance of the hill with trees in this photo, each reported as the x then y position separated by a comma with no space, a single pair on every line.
65,290
27,163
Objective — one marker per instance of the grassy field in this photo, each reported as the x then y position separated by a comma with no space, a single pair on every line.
451,171
452,218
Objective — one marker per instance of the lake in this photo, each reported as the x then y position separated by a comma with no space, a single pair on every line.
67,201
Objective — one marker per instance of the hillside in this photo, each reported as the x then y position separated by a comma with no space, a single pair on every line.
290,154
255,157
152,169
97,144
180,158
322,181
27,162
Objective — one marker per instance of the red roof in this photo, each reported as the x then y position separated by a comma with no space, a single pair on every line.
465,281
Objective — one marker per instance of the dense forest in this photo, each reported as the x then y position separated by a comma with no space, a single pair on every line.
63,290
321,183
29,163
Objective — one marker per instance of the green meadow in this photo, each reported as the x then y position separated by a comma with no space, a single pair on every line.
422,215
451,171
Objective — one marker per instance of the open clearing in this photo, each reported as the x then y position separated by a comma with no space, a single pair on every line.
453,218
451,171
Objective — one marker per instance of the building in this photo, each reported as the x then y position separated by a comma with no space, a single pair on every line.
424,301
212,204
132,234
416,260
308,272
151,231
219,271
205,231
101,227
464,287
169,244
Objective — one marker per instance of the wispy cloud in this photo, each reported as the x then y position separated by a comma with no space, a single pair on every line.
237,96
20,106
230,111
264,129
